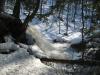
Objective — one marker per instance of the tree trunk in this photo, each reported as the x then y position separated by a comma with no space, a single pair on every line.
67,19
30,17
16,11
2,2
82,21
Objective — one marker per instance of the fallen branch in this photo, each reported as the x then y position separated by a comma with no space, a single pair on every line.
79,62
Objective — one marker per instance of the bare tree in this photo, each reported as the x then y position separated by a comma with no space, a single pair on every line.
31,16
75,12
82,21
2,2
16,11
67,17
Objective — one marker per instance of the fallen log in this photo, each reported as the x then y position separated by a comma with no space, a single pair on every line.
78,62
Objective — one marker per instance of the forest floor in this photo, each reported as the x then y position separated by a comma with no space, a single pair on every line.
21,63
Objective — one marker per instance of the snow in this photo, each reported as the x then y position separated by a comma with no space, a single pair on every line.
7,46
74,38
51,34
21,63
57,51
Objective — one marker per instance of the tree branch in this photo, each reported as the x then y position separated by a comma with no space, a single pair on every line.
30,17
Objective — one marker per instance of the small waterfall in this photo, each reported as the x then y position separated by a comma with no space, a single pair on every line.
46,46
40,40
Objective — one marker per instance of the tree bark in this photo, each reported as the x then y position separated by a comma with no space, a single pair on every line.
78,62
30,17
16,11
2,3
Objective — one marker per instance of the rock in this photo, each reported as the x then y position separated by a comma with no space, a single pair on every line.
8,47
79,46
